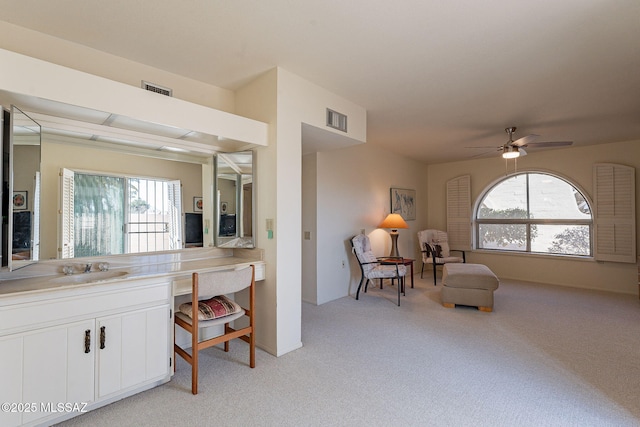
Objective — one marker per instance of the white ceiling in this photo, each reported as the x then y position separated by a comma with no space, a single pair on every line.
434,76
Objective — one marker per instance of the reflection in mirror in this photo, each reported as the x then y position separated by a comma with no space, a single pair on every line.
234,200
23,190
95,142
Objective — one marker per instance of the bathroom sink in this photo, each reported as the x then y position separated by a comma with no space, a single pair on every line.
93,277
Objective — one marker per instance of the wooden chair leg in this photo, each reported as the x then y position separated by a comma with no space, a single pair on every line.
226,331
252,349
194,370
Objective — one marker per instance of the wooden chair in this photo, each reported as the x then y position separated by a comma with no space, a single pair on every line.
208,290
434,245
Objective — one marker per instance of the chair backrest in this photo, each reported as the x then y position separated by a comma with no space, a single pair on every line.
362,249
434,237
214,283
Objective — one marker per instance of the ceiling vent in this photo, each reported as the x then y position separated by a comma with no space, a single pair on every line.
152,87
336,120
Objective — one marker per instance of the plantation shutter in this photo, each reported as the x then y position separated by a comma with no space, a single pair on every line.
175,214
615,217
66,212
459,212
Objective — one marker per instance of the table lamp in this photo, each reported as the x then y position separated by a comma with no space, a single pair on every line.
394,221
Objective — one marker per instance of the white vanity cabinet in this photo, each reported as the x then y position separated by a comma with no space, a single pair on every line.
83,347
56,368
131,349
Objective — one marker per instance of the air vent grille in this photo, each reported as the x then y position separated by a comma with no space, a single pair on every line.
336,120
152,87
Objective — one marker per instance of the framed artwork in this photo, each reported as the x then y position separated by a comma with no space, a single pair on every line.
223,207
20,201
197,204
403,202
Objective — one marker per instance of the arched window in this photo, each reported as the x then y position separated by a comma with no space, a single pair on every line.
534,212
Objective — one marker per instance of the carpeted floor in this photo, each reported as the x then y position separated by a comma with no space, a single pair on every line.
546,356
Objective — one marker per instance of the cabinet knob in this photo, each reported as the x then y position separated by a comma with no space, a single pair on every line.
87,341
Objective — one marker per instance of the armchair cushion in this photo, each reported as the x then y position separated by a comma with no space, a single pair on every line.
212,308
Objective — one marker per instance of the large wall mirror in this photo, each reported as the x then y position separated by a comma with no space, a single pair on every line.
106,148
234,198
21,144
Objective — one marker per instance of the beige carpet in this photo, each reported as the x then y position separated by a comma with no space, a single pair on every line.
546,356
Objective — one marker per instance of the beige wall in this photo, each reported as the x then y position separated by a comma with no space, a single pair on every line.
573,163
353,193
57,155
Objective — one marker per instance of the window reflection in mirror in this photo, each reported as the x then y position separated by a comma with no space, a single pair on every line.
74,144
234,199
110,215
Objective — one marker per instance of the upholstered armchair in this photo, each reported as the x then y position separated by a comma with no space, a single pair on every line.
434,245
373,268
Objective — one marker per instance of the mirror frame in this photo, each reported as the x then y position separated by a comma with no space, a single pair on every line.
8,169
237,240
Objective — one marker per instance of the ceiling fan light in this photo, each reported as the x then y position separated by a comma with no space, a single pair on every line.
510,152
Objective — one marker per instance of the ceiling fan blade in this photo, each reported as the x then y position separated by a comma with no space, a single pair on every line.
550,144
482,154
525,140
492,146
522,152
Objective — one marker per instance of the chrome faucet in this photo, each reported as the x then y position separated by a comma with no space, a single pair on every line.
87,268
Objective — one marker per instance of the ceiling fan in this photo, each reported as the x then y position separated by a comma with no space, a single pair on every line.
513,149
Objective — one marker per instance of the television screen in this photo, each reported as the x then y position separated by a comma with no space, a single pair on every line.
193,228
21,230
227,225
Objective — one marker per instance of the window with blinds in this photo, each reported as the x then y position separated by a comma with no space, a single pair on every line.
107,214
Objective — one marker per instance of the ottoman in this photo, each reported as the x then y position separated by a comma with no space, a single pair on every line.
468,284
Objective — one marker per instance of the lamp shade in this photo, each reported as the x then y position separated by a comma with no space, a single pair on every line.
393,221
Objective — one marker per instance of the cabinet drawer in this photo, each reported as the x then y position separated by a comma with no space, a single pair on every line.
15,318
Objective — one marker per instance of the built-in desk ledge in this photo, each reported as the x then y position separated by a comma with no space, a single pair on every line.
178,265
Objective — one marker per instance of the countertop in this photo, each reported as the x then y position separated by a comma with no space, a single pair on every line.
46,276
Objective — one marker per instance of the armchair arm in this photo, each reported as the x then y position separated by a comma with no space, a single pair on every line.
392,260
464,258
431,252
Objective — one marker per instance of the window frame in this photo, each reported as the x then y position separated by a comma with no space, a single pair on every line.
528,221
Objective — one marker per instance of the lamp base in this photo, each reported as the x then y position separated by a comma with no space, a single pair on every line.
394,244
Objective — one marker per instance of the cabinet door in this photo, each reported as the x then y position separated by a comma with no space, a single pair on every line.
56,368
11,375
136,348
159,328
81,350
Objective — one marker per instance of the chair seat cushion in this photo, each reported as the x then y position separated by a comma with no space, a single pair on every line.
446,260
386,272
212,308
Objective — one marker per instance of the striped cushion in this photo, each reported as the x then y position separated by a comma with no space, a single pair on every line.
212,308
